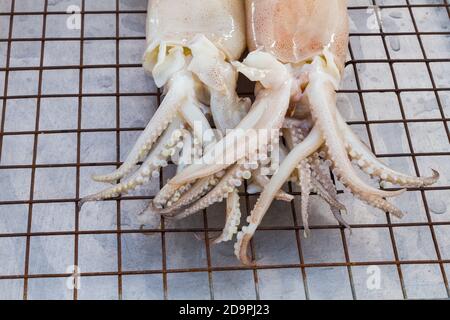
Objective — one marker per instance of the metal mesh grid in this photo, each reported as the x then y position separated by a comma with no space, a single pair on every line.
332,264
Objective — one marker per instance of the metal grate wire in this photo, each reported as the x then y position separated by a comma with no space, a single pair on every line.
211,267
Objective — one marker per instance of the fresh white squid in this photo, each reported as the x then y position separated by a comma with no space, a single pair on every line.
190,46
298,52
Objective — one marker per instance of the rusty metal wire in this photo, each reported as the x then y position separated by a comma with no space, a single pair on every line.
210,268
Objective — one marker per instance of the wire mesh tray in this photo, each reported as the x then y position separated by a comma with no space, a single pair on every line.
73,98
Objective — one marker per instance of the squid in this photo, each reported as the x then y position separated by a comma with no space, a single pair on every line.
297,57
190,45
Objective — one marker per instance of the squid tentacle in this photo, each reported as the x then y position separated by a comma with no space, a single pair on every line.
178,194
326,195
172,193
383,205
297,124
259,181
148,214
321,179
324,110
359,152
204,136
227,109
305,179
159,156
164,195
297,154
338,216
322,98
167,146
304,171
210,65
327,191
372,199
195,118
199,189
233,218
217,158
179,87
324,182
176,198
275,77
164,115
322,101
186,153
232,179
207,138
